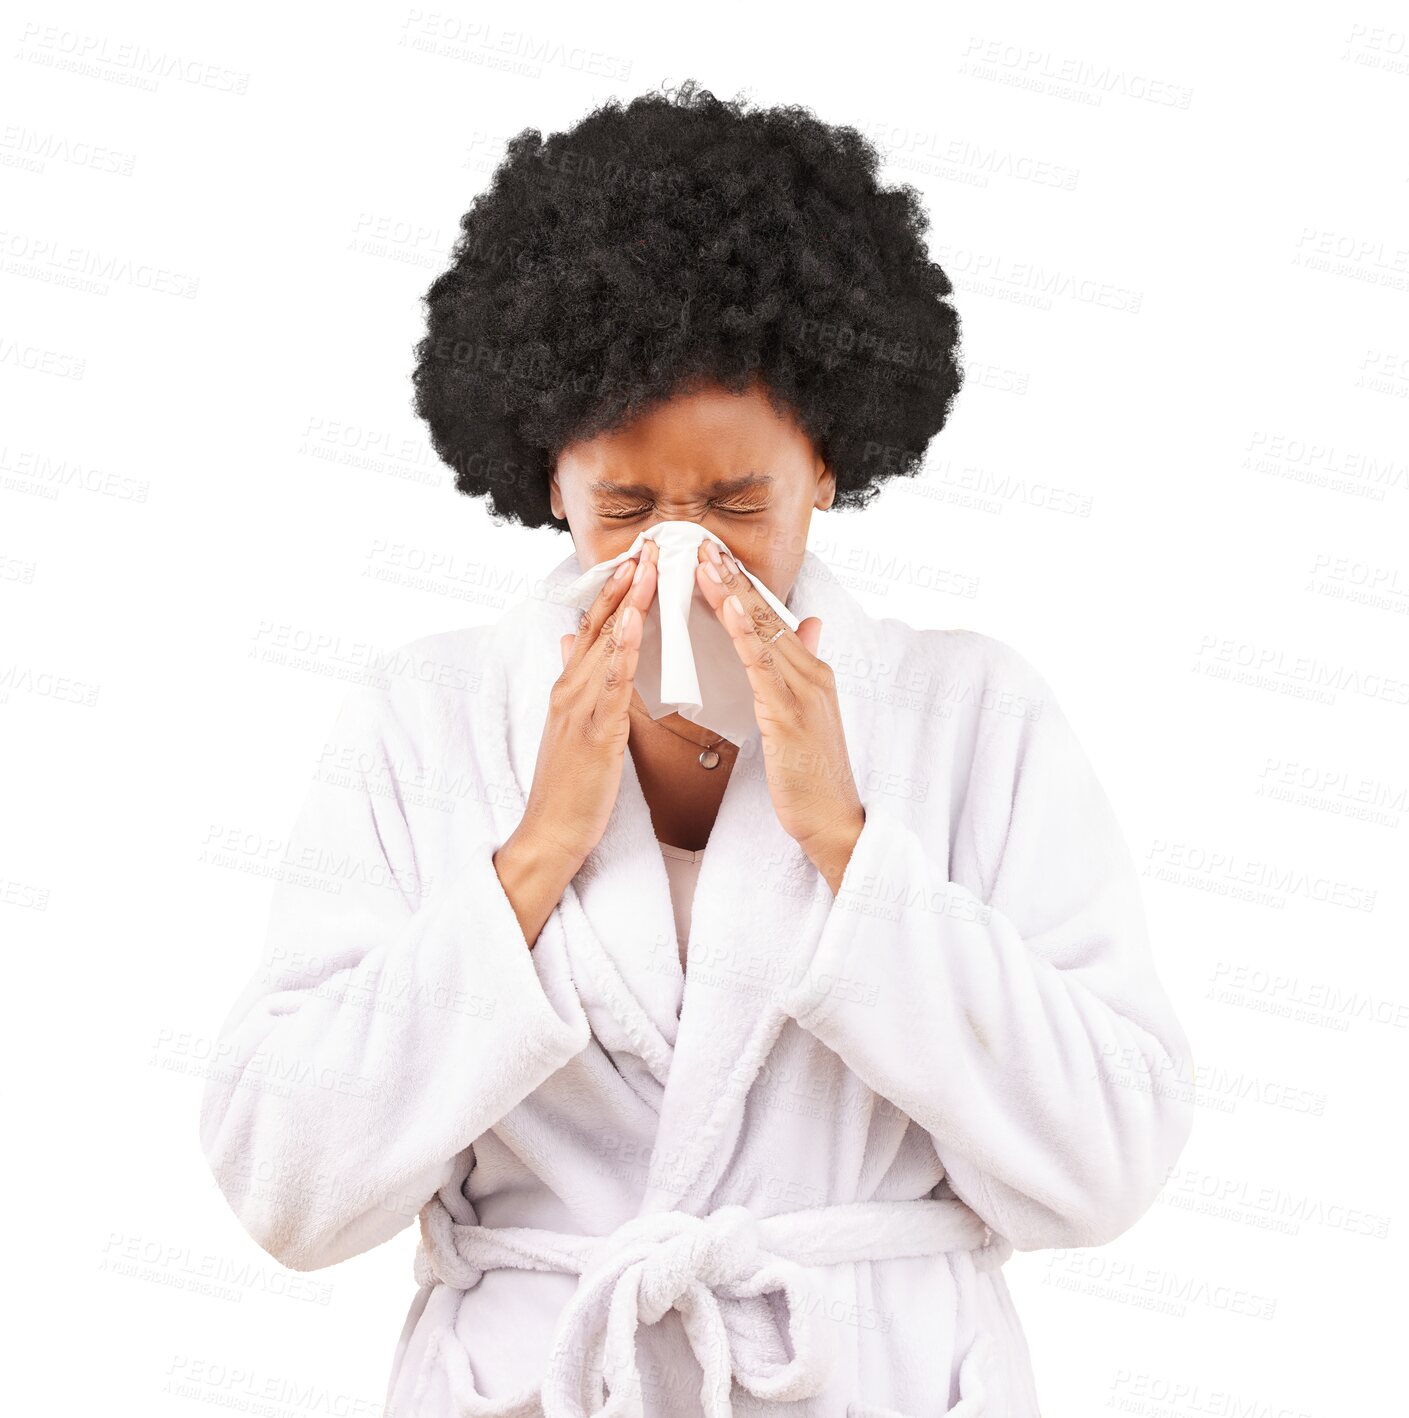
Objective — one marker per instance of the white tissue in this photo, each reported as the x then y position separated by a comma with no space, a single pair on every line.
688,664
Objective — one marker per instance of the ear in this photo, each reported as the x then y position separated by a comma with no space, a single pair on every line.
826,489
555,498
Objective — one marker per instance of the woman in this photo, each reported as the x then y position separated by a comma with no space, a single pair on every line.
762,1147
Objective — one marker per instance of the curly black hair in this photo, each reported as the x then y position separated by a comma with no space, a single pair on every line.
679,241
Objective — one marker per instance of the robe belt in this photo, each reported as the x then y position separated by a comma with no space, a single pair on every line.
718,1271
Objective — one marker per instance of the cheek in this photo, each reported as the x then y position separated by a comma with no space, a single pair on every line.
597,541
768,551
776,542
592,548
608,548
751,541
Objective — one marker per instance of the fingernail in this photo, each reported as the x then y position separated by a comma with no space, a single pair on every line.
737,604
640,568
711,551
621,571
712,571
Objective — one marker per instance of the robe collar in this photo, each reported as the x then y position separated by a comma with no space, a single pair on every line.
689,1045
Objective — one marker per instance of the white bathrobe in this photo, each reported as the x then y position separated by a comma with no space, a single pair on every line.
781,1183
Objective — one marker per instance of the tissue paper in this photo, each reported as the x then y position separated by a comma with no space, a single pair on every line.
688,664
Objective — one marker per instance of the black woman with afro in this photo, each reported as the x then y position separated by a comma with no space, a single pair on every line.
723,1043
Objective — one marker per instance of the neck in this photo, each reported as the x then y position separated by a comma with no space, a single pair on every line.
673,726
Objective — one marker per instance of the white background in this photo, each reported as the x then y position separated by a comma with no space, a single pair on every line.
1177,481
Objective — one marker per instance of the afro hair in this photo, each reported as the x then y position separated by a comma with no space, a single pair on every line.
679,241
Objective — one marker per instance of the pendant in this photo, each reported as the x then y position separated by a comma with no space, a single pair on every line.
709,759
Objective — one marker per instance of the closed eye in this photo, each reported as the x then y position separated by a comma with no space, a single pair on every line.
641,512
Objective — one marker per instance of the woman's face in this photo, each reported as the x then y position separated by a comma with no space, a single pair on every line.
727,461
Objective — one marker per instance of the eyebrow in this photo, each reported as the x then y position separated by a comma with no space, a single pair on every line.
719,485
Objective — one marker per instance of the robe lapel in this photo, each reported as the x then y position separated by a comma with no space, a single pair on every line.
618,921
691,1046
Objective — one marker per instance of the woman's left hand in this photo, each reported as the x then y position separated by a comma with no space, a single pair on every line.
799,718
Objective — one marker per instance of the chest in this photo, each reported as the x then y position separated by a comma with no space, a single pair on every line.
683,799
682,795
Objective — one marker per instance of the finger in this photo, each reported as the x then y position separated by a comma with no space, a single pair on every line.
640,591
809,631
592,617
643,585
631,582
755,650
609,662
766,621
774,697
621,648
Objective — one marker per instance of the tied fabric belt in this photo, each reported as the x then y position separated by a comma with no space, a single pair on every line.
717,1270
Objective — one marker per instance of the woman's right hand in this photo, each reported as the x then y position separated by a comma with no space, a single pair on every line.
580,757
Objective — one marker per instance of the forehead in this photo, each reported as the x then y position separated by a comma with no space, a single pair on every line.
712,440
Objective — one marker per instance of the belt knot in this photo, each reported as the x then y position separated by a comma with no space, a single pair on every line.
746,1289
676,1251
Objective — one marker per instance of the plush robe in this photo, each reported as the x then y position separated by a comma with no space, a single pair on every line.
779,1182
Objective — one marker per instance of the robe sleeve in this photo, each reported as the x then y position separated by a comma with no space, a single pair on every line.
1019,1018
392,1021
